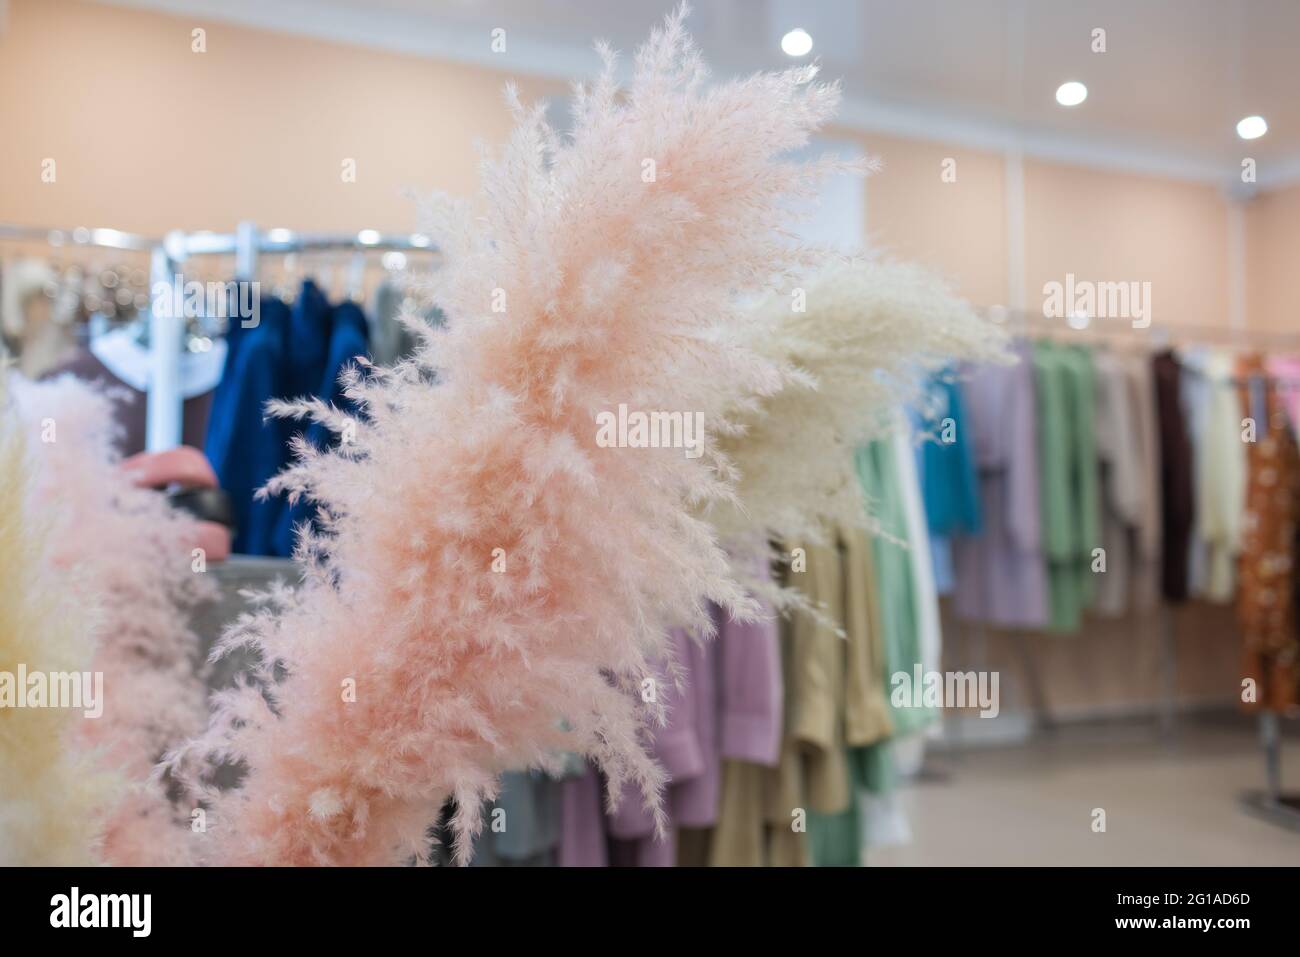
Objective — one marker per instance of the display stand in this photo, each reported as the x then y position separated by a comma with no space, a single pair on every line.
1272,804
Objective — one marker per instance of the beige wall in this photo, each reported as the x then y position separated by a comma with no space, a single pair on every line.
1110,226
1273,260
956,227
149,136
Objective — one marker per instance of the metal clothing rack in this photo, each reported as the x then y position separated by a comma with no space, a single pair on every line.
163,415
1029,322
1271,803
79,236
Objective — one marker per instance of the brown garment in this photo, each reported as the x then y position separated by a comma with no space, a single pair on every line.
129,404
1178,502
1266,596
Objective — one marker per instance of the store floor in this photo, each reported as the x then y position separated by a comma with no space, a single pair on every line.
1168,801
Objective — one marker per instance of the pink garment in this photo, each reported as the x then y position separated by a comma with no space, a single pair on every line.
1286,370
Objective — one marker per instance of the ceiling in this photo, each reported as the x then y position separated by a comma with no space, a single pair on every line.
1165,96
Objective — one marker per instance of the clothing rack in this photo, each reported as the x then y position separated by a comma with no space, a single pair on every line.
1270,803
167,258
79,237
1161,335
247,244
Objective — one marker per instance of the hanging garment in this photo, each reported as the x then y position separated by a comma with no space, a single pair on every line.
339,337
390,340
901,599
245,448
1068,477
308,343
1086,488
306,355
523,823
1220,482
748,703
130,402
867,711
811,774
740,838
582,822
1285,371
723,702
1145,593
887,482
947,462
926,596
1195,387
749,745
1001,574
676,747
1178,497
945,467
1121,483
841,840
1266,600
815,683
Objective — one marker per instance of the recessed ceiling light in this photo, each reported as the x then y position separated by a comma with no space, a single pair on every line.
1071,94
797,42
1252,128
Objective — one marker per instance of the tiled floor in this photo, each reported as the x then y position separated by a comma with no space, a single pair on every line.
1168,801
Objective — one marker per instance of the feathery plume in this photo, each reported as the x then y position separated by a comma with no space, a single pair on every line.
868,338
49,793
488,583
125,553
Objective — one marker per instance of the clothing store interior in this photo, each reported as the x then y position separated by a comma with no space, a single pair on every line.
963,530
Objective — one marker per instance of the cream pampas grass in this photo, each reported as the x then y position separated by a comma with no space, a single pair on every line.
857,342
125,554
50,793
490,583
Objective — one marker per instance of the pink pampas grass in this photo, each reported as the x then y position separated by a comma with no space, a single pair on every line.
490,582
125,554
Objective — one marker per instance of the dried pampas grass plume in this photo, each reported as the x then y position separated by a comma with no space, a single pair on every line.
489,582
125,553
869,336
50,794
